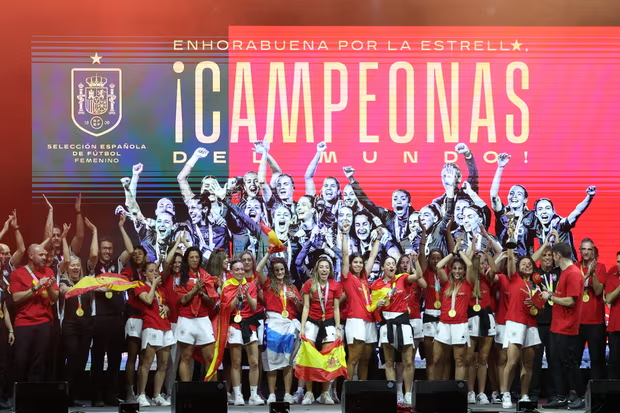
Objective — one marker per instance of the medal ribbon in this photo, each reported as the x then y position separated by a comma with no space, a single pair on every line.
322,301
456,290
437,287
79,297
283,296
240,305
549,282
366,295
478,284
587,281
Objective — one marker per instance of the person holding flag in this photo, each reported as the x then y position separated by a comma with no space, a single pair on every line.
389,299
283,303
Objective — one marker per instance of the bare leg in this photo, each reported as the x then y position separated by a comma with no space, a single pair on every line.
362,367
440,353
461,361
143,370
185,365
407,354
514,355
527,360
272,377
163,356
288,379
252,352
355,351
133,349
388,351
471,361
428,352
484,348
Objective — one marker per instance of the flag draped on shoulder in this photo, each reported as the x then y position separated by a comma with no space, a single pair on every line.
113,282
221,324
321,366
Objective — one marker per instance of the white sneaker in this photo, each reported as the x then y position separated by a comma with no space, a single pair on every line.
256,400
471,398
231,398
271,399
400,398
142,401
161,401
288,398
308,398
239,400
506,400
407,399
325,398
495,397
482,399
524,398
299,396
334,394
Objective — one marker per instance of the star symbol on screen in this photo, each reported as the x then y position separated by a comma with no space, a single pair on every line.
516,45
96,58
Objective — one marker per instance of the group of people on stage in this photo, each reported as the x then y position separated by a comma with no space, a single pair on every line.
477,306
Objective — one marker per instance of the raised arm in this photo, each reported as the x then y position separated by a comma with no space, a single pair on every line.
78,239
17,256
314,163
374,250
362,197
93,254
186,191
582,206
132,205
147,298
64,264
262,148
260,268
537,255
502,161
472,273
5,228
470,161
344,247
511,265
135,177
441,267
125,255
49,222
171,253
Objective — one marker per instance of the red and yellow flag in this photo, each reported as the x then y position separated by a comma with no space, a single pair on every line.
273,239
321,366
112,282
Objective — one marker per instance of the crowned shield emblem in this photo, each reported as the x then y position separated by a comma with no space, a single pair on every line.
96,99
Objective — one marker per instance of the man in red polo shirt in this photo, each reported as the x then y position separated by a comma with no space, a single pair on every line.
565,340
35,292
612,293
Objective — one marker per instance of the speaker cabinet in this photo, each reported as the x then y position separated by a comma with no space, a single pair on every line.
128,408
603,396
199,397
37,397
279,407
369,396
440,396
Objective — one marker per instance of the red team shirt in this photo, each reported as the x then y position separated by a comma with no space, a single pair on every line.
502,289
566,319
254,279
316,313
358,296
246,310
430,293
413,301
274,302
196,308
36,309
518,312
171,297
593,312
152,316
485,299
461,303
612,281
399,290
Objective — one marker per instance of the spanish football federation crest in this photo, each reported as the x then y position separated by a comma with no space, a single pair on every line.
96,99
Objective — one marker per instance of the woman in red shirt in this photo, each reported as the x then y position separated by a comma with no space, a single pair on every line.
521,336
481,325
452,330
320,318
390,298
241,298
283,303
196,294
157,336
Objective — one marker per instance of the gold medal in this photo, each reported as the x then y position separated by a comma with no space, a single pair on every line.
550,302
1,313
109,295
285,313
477,307
79,312
533,310
586,297
437,304
45,294
238,318
368,308
452,313
387,302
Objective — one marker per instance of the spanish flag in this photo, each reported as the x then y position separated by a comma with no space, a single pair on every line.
321,366
273,239
112,282
380,290
221,323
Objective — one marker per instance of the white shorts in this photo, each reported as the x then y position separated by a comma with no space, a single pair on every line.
362,330
311,330
416,324
474,326
260,332
406,329
500,333
195,331
430,328
517,333
453,334
133,328
157,339
235,336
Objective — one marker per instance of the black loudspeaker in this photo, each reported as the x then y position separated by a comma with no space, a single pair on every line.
48,397
603,396
279,407
369,396
199,397
128,408
440,396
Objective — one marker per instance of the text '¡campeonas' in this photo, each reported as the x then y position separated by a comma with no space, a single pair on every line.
336,78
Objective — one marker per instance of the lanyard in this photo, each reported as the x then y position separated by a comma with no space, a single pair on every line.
587,280
454,292
549,282
34,277
283,296
437,287
322,301
478,285
366,294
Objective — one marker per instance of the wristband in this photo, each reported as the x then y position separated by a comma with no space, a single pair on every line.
16,228
11,332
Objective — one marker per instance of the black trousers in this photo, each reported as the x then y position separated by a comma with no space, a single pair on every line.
6,363
595,335
565,351
544,331
76,336
614,355
108,337
31,349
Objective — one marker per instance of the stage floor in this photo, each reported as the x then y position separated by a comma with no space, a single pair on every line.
295,408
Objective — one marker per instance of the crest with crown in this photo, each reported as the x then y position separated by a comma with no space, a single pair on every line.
96,81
